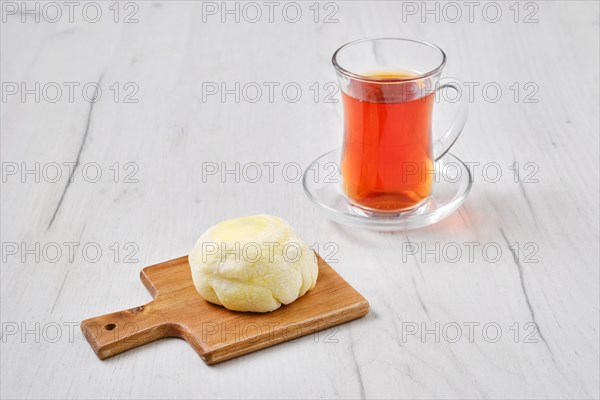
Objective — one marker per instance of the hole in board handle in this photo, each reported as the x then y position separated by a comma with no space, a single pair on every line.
110,327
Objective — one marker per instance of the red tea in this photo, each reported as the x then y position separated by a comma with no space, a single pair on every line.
387,159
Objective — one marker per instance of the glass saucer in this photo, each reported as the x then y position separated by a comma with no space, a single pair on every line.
322,184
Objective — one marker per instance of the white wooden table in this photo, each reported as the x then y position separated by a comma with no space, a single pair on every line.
500,300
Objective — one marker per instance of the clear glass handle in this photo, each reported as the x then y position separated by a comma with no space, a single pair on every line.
443,144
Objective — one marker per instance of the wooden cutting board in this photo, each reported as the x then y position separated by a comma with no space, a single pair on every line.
216,333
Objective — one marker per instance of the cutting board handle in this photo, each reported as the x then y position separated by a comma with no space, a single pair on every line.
115,333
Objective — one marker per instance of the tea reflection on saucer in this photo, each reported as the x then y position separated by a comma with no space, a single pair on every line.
451,186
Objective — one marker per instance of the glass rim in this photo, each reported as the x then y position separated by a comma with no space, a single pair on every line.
354,75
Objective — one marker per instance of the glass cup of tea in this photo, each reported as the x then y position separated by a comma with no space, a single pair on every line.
388,89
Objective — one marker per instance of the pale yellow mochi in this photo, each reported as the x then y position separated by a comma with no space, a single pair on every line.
254,263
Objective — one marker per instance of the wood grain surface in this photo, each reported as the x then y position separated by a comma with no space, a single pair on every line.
215,333
522,253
